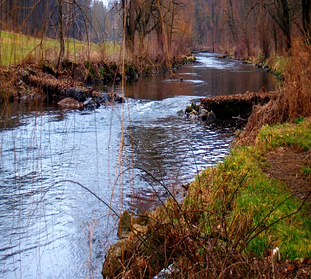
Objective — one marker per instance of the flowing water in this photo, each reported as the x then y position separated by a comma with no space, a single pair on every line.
50,226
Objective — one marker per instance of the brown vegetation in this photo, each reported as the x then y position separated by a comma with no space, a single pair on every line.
169,241
46,81
238,105
293,100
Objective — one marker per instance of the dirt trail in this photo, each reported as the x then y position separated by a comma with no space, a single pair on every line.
286,164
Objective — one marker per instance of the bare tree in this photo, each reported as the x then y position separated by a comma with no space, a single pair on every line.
306,20
61,32
283,13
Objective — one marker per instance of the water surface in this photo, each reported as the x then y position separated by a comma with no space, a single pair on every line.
50,227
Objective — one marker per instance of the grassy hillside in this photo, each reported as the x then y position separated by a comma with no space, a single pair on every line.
17,47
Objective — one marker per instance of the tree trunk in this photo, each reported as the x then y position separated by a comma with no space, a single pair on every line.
170,35
282,18
213,26
231,20
286,23
0,33
306,22
60,33
130,26
275,38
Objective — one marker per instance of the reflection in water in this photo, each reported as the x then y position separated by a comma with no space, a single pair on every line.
173,151
209,76
16,113
54,229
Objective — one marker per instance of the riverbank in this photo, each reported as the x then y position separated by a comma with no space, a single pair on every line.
249,216
274,64
46,82
234,218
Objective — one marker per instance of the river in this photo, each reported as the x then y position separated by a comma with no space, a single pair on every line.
50,226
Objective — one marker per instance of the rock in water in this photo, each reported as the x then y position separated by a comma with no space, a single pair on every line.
70,103
91,103
79,93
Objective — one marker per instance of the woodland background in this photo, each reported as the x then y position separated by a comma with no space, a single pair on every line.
241,27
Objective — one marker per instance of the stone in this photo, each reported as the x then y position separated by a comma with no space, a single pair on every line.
116,98
70,103
180,112
91,103
79,93
211,116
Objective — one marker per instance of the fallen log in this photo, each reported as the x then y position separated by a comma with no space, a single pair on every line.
228,106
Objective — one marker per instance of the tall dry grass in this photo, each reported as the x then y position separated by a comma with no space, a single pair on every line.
291,101
297,84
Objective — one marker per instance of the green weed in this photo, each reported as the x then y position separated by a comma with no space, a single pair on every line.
253,212
287,134
306,171
277,64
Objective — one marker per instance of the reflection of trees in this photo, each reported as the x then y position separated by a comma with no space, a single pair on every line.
211,81
14,114
154,151
148,146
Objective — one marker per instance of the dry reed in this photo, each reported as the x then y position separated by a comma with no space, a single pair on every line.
291,101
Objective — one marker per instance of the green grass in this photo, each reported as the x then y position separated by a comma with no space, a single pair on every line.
297,134
16,47
247,206
277,64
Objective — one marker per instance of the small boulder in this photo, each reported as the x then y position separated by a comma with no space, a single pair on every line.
116,98
106,97
192,115
211,116
206,115
79,93
203,114
91,103
70,103
180,112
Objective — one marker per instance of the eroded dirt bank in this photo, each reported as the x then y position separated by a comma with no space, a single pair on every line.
44,81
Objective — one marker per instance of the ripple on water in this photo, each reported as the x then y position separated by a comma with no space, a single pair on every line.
46,224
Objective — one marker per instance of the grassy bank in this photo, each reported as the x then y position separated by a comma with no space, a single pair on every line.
233,217
30,69
256,212
17,47
249,216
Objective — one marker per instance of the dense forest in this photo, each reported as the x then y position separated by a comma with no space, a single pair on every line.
245,28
